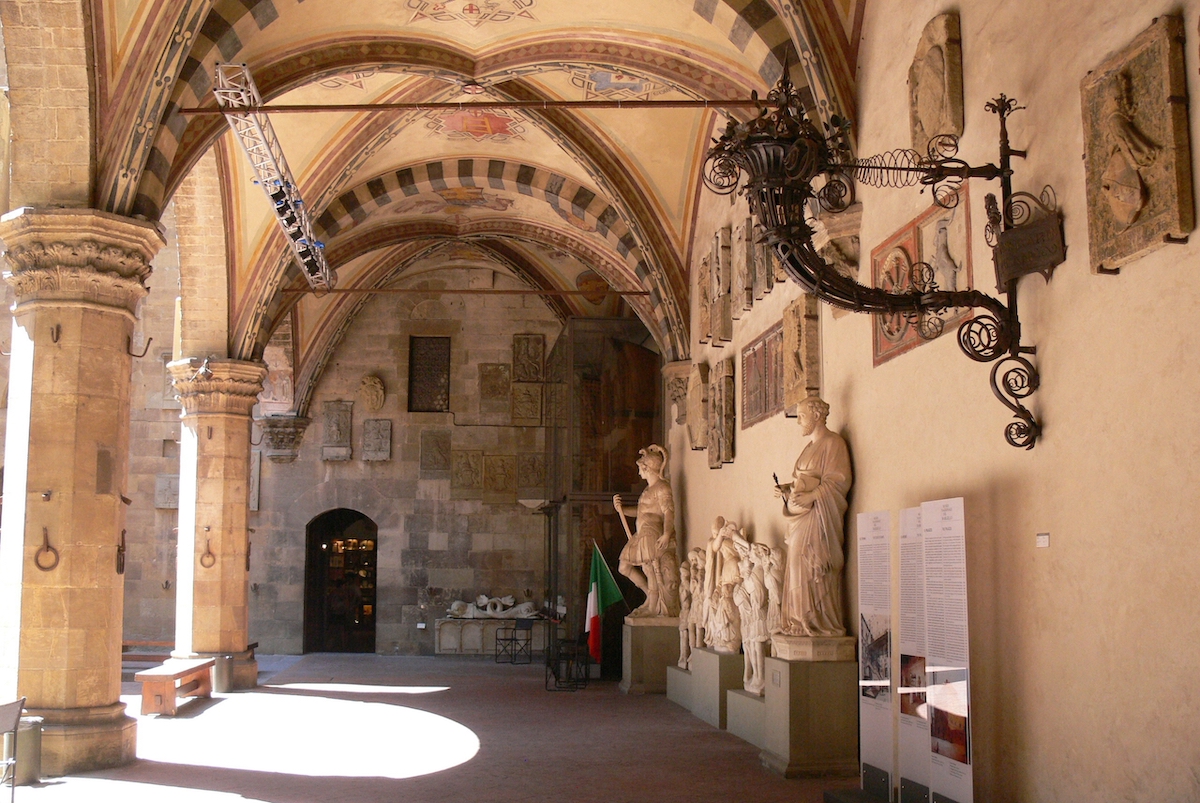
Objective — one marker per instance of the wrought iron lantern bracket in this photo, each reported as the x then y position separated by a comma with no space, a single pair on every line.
793,169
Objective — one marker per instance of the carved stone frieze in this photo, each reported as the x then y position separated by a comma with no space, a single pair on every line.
282,435
722,413
217,386
78,255
697,403
801,350
935,82
677,375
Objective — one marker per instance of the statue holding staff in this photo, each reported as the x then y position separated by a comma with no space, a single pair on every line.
649,558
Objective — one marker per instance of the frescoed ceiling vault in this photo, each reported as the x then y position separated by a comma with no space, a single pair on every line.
557,199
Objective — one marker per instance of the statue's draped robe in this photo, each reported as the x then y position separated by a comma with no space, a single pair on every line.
812,584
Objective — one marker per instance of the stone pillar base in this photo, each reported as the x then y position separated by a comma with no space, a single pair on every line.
649,645
746,716
81,739
811,723
714,674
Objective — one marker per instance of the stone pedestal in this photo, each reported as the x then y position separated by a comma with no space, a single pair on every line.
713,675
78,275
211,607
679,686
812,648
811,725
746,716
649,644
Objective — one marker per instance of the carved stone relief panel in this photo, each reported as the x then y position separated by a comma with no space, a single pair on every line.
721,313
704,294
278,393
722,415
676,376
801,350
1138,159
166,492
499,477
337,420
466,474
372,393
377,440
742,267
935,91
435,453
764,269
529,352
531,474
697,402
526,404
495,387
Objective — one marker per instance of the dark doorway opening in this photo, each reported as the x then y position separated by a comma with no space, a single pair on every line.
339,583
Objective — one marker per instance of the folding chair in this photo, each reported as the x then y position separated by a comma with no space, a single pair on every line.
10,721
515,643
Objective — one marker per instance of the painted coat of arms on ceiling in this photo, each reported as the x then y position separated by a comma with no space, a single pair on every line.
611,85
478,124
472,12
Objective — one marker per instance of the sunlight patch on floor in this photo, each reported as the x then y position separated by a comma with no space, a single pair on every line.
311,736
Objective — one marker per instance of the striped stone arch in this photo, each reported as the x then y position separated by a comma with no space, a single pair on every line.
230,24
564,195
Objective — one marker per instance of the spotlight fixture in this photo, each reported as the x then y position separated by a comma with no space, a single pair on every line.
792,169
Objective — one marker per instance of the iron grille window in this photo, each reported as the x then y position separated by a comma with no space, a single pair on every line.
762,377
429,374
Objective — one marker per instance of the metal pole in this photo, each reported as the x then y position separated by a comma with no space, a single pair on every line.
307,108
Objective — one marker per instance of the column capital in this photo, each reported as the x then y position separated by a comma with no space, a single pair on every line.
78,255
283,434
217,385
677,375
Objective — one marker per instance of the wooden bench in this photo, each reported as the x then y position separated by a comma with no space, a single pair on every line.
178,677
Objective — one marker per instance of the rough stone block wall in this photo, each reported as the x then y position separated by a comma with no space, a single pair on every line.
150,520
433,546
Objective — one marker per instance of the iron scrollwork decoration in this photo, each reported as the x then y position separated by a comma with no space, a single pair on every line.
792,169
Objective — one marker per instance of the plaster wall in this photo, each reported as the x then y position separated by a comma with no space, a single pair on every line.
432,548
1081,652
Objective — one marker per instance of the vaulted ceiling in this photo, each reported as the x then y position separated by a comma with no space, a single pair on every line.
560,199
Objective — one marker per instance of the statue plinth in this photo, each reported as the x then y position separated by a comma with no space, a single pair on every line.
649,645
812,648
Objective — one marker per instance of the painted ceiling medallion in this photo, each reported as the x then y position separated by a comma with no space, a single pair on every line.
611,85
477,124
472,12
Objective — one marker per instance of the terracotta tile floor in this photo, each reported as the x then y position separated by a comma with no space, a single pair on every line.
367,728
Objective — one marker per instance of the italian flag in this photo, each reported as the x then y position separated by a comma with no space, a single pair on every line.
602,593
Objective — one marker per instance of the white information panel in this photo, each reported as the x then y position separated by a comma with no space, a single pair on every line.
914,713
875,646
948,661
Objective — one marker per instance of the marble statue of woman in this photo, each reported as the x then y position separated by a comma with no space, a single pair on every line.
773,578
814,504
722,576
649,558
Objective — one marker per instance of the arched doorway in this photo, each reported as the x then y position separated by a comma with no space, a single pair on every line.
339,583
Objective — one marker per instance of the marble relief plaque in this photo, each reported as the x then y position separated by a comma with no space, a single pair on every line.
722,414
1137,151
721,308
336,418
528,356
499,478
435,451
166,492
526,404
801,350
531,471
697,402
377,439
704,294
495,387
935,87
466,473
742,266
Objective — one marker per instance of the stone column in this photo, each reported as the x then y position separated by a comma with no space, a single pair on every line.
78,275
211,609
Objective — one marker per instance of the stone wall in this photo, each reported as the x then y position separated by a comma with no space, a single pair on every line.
434,545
